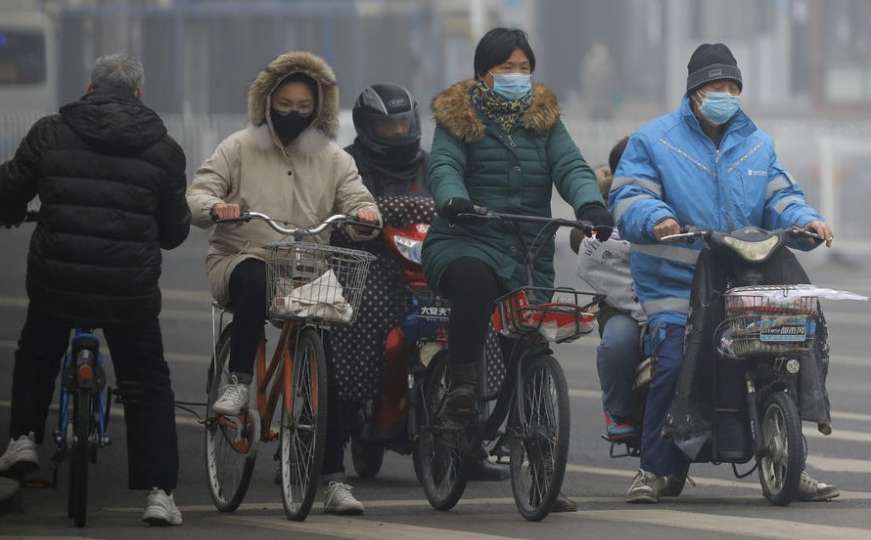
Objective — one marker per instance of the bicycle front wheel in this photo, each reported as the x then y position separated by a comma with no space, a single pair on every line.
439,458
303,424
540,445
79,457
231,442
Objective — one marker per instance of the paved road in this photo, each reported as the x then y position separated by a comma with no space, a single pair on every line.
717,507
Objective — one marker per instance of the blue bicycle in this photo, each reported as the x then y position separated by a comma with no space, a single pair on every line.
83,414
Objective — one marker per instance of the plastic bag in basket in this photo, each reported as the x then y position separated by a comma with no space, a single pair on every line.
556,325
320,298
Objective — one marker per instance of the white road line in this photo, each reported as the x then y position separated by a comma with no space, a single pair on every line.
698,521
117,413
842,415
585,393
829,464
187,295
840,435
358,529
370,505
713,482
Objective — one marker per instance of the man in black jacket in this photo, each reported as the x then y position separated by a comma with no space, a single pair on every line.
112,187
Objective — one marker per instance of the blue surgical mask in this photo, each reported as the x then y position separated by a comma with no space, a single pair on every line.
719,107
512,86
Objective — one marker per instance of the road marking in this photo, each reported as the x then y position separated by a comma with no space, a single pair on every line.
840,435
705,481
585,393
861,466
171,358
187,295
117,413
698,521
387,504
841,415
355,529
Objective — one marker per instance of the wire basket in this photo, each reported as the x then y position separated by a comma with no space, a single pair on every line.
557,314
768,320
315,282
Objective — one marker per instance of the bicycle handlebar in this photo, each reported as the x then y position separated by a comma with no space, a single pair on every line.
688,232
298,232
482,213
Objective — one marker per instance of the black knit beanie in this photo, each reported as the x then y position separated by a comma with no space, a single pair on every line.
712,62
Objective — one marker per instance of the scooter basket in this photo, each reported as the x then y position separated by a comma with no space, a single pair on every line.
557,314
768,320
310,281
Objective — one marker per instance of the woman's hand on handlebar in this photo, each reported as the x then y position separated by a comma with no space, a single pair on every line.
456,206
600,218
222,211
368,220
666,227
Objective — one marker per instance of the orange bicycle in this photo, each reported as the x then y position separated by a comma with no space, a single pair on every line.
310,287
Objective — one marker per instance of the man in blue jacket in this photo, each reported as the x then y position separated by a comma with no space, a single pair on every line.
708,165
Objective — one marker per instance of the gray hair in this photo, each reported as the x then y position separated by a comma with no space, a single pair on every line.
118,70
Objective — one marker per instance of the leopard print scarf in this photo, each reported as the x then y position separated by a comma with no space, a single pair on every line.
507,114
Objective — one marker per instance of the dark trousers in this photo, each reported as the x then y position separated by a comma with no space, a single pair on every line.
137,355
340,419
660,455
472,287
248,302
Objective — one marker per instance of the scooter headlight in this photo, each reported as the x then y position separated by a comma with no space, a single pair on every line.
752,251
409,248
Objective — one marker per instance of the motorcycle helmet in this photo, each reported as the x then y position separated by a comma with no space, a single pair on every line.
388,123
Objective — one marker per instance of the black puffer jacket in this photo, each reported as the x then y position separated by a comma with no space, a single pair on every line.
112,186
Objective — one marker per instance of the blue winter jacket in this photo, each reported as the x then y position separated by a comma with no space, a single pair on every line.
672,169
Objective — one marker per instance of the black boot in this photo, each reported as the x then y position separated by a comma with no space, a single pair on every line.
461,403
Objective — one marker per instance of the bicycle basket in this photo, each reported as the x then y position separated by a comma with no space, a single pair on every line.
557,314
315,282
768,320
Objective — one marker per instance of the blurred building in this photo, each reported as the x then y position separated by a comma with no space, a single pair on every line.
612,56
797,56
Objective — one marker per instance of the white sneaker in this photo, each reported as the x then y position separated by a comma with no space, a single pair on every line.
20,457
338,500
233,398
161,509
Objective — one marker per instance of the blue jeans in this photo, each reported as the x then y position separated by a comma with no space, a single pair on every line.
658,455
617,357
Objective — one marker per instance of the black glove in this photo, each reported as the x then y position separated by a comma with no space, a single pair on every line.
12,216
455,206
601,219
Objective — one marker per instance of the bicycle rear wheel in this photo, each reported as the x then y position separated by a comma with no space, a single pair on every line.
231,442
439,458
540,446
303,424
79,457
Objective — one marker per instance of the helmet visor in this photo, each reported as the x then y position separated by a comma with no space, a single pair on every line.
397,129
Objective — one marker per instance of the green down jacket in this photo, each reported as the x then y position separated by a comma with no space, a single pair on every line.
474,158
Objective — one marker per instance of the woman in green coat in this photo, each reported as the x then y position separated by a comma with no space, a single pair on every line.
499,143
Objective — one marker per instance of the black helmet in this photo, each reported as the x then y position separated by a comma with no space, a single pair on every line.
387,122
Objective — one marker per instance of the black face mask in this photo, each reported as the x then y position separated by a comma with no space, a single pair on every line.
402,154
289,125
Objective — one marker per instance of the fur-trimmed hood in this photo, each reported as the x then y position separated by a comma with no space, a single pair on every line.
260,91
453,109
